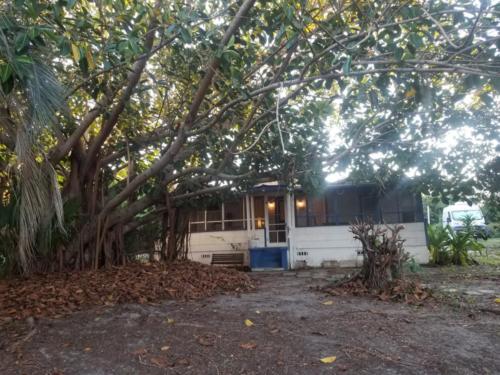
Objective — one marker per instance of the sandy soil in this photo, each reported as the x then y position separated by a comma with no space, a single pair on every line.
292,330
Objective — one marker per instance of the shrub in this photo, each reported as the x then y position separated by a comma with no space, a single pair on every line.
447,246
438,238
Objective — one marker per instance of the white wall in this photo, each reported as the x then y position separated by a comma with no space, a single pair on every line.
316,245
321,244
202,245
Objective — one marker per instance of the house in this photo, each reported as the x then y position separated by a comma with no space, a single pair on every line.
272,228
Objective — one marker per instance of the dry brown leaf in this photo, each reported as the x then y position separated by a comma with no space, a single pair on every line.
248,345
159,362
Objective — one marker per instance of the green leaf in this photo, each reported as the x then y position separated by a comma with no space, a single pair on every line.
21,41
5,72
186,35
231,54
398,53
75,51
416,40
231,42
24,59
346,67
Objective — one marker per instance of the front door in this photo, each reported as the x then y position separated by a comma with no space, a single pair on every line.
276,223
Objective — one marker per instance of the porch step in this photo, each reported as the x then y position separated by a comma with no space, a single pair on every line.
232,259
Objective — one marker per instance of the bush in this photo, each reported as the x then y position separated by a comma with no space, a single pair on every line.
447,246
438,238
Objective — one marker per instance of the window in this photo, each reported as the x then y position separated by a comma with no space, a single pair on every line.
342,206
214,217
390,208
369,204
211,219
400,207
348,206
310,211
301,210
258,204
461,215
197,221
234,215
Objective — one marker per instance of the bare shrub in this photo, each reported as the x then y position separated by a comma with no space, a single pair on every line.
383,253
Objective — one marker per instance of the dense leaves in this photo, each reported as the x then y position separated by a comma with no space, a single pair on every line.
129,109
61,293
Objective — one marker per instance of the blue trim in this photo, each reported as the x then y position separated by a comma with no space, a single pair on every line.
269,257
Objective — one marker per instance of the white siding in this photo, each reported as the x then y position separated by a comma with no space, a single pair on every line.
316,245
202,245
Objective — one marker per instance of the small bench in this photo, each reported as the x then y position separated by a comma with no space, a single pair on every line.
231,259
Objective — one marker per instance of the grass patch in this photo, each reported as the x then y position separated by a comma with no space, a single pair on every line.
491,254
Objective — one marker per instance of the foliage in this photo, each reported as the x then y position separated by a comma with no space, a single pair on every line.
447,246
438,237
138,108
461,242
412,265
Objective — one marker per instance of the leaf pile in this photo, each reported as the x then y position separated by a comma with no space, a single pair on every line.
399,290
57,294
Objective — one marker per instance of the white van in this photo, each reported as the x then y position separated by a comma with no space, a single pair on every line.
454,216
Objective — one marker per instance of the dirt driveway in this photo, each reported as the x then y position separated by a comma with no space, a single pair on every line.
292,330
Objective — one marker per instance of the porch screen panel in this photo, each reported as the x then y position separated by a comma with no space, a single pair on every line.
369,199
316,211
260,221
197,221
214,217
234,215
399,207
300,210
348,206
310,211
407,207
390,208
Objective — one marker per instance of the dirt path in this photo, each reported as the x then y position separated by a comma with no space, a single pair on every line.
292,331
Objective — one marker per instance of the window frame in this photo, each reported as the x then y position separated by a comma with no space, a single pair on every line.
332,216
222,220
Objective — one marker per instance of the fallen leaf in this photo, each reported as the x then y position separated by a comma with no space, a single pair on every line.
159,362
248,345
206,340
165,348
182,362
140,351
170,321
497,300
248,323
328,303
328,359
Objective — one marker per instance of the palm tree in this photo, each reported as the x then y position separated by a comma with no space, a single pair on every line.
31,98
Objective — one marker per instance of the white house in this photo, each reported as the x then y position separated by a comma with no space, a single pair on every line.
271,228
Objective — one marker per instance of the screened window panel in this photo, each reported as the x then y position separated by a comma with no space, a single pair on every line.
197,227
348,206
390,208
234,215
259,212
300,210
316,207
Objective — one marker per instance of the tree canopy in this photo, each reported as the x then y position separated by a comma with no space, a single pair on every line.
116,113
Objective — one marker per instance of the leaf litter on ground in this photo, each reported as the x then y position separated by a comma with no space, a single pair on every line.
58,294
